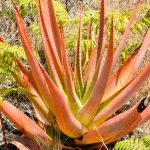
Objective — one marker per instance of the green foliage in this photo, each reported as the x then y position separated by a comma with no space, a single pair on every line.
27,6
146,141
120,21
129,48
35,29
90,15
144,22
8,55
5,91
26,3
6,10
61,13
134,144
11,51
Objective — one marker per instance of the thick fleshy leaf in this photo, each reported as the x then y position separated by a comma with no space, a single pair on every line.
74,101
145,116
85,55
25,80
140,107
117,127
52,96
100,49
78,69
52,28
52,61
24,123
139,57
88,112
89,30
35,68
90,68
93,78
27,73
125,35
63,114
102,28
120,79
122,97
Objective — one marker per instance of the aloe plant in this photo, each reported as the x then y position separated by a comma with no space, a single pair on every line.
79,102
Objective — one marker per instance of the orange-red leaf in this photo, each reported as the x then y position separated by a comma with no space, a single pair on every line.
102,27
52,28
51,95
35,68
123,96
121,78
25,81
90,68
88,112
125,35
78,69
24,123
74,101
145,116
53,62
1,39
114,127
67,123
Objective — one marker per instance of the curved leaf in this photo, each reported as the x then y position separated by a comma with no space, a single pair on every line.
125,35
122,97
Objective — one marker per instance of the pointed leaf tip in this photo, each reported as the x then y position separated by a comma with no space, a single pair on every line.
125,35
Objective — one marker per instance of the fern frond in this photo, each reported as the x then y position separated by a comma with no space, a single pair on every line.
9,91
12,49
146,141
61,13
134,144
35,29
8,55
26,2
